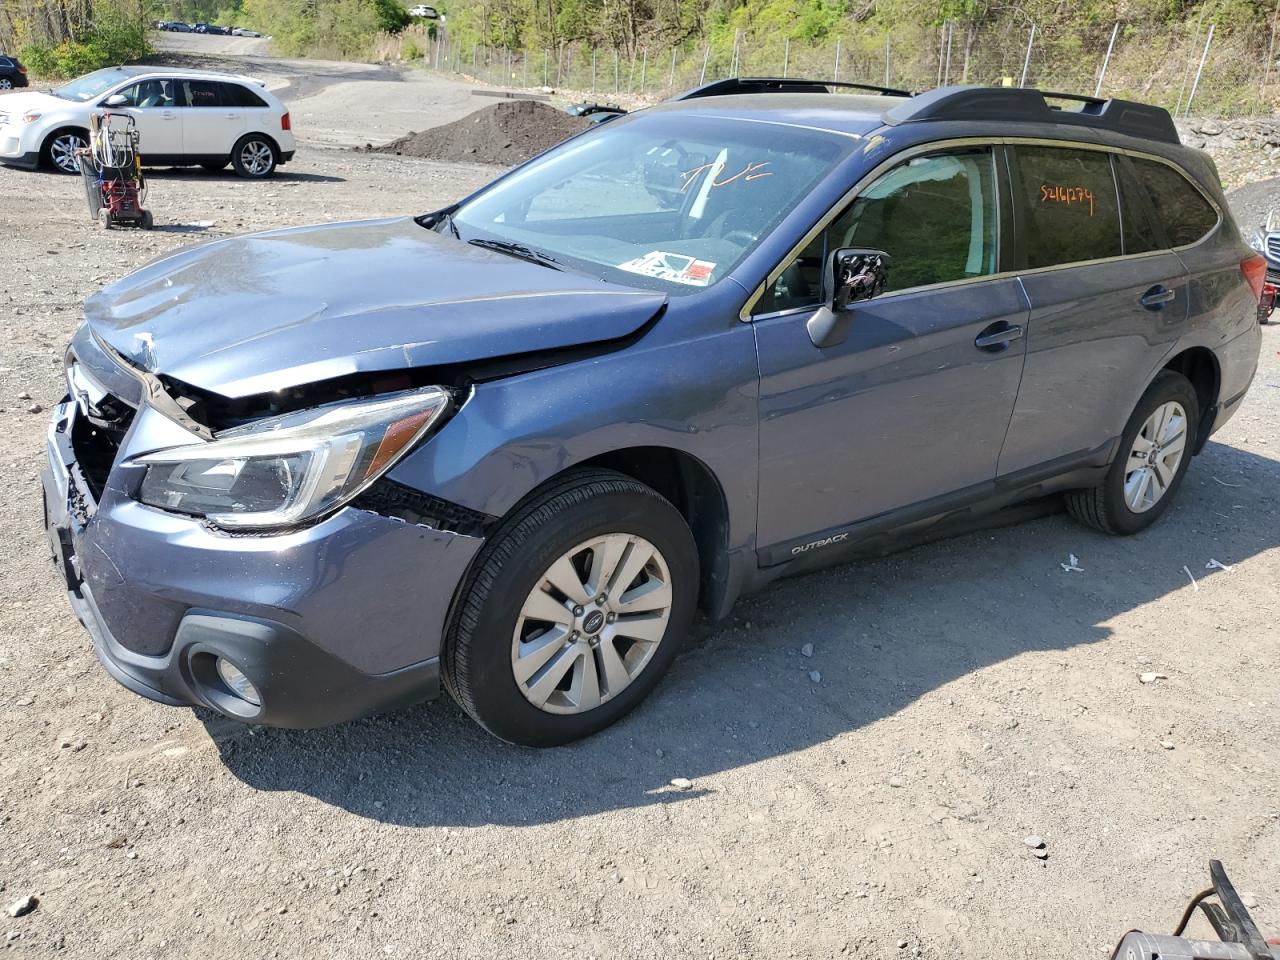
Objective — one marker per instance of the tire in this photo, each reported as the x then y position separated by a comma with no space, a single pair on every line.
1109,506
216,166
6,83
148,221
254,157
104,219
482,645
59,147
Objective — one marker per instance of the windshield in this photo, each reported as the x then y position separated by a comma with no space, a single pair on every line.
91,84
662,200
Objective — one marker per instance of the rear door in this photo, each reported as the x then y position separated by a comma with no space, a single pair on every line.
1107,298
211,121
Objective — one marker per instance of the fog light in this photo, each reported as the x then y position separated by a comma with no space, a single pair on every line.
237,682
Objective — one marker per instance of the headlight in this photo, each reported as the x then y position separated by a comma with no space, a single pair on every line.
290,468
1258,243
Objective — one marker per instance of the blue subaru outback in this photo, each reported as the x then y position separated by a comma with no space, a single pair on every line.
516,444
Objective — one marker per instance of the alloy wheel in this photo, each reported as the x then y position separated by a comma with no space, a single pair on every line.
6,83
1156,454
591,624
62,151
256,157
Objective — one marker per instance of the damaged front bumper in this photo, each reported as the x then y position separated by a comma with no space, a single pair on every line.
329,622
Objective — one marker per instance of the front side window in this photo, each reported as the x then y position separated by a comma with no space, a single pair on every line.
662,200
149,94
1069,201
935,215
1186,214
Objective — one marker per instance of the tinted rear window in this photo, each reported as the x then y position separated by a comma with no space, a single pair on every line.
234,95
1186,214
1069,200
1141,234
202,93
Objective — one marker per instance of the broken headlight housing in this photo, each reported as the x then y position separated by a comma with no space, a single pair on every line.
288,469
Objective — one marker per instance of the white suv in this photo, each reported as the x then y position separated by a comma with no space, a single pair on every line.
185,118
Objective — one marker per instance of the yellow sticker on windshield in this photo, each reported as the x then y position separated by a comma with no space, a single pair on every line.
675,267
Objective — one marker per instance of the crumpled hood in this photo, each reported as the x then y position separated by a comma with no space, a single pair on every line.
272,310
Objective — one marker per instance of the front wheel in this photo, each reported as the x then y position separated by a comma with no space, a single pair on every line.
254,157
60,151
1155,450
577,606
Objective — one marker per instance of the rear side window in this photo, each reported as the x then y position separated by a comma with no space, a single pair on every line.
1186,214
1069,203
234,95
202,93
1137,219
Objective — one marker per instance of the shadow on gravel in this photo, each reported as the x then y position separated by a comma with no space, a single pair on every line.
886,632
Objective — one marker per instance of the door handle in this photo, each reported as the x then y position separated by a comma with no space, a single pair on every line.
998,336
1157,297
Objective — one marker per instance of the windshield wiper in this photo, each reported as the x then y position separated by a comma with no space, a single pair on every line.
518,250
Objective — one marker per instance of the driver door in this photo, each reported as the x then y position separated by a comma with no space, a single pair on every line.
908,409
151,104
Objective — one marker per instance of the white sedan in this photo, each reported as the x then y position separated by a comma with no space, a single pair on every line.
184,117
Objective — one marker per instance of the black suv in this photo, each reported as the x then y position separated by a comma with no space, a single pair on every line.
12,73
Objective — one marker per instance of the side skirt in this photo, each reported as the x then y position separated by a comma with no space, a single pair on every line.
940,517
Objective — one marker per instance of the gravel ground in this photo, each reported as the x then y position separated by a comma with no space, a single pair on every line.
971,693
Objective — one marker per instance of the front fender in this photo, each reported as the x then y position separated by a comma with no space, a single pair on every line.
697,396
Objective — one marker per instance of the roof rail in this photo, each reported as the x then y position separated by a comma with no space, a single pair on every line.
1028,105
732,85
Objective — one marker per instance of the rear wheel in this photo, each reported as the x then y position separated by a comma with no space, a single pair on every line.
6,83
1155,451
576,608
60,150
254,157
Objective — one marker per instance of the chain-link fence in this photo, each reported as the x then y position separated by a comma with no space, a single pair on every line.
1189,69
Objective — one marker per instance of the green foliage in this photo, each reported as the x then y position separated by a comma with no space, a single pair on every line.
325,28
410,50
113,36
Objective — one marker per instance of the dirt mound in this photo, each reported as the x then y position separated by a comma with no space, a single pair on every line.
504,133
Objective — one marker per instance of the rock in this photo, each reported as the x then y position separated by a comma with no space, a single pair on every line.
1040,854
35,408
1152,677
895,782
902,944
815,676
682,783
23,905
24,395
1167,744
806,650
1034,842
1249,900
1210,128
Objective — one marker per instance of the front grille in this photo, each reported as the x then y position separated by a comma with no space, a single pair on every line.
96,448
1273,245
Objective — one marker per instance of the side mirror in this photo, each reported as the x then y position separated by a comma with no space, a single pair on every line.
116,100
854,275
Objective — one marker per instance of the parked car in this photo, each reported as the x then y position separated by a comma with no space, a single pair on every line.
515,443
1267,242
12,72
184,117
422,10
243,32
177,26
